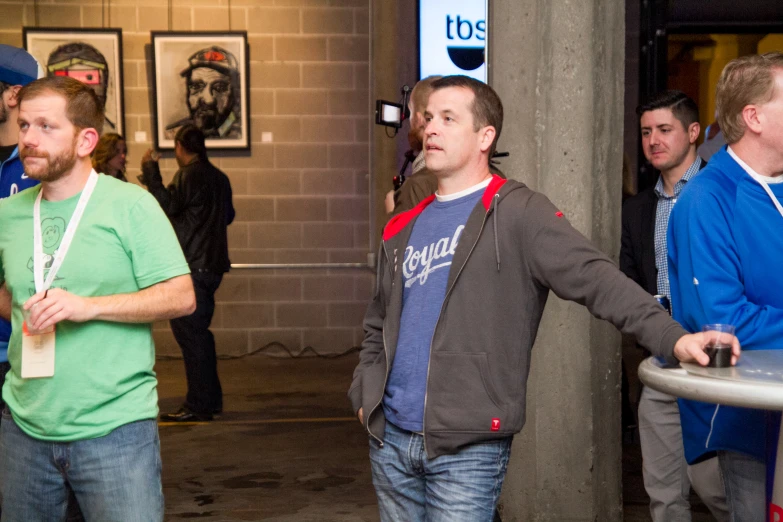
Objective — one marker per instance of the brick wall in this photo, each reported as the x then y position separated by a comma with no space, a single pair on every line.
302,198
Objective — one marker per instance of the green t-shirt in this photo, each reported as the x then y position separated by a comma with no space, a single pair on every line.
103,375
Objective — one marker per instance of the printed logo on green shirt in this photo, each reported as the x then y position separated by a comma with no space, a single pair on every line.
52,232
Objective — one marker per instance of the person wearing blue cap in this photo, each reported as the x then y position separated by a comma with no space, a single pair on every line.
17,69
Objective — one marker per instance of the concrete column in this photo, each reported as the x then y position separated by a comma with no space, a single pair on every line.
384,57
558,67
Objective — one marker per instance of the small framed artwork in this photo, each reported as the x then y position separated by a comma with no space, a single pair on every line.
92,56
202,79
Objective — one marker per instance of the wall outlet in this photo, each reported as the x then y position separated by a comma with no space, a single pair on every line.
140,136
266,137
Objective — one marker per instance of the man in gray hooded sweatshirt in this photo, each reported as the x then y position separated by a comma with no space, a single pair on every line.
462,281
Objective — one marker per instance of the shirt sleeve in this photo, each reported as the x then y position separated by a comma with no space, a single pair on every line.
152,244
706,275
562,259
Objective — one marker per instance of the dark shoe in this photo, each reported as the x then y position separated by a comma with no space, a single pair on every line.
185,415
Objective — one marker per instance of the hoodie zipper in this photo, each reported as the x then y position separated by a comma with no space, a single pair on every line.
443,306
386,375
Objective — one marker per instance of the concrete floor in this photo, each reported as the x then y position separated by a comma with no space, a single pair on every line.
287,448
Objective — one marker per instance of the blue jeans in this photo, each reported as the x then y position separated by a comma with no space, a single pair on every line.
116,478
451,488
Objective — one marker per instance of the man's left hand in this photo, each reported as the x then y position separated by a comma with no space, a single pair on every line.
690,348
58,305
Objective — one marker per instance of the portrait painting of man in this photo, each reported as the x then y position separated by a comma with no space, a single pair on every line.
92,56
201,79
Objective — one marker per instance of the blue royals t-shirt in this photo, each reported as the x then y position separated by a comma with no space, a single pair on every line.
425,273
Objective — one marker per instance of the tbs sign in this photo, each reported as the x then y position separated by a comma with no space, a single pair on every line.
452,35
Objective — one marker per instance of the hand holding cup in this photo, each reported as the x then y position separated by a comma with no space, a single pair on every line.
718,339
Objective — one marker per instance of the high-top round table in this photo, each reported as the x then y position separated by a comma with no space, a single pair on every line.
756,382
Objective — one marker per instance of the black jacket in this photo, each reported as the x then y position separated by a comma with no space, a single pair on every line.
637,250
198,203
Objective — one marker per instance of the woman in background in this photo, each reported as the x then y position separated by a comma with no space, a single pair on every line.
109,156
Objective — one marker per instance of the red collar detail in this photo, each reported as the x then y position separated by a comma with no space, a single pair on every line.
492,189
398,222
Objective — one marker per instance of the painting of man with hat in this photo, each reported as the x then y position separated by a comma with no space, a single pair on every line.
213,93
200,79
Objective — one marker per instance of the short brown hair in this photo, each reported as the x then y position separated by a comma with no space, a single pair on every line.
82,106
682,106
487,108
105,150
744,81
421,93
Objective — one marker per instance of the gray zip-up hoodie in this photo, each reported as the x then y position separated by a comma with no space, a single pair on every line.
515,247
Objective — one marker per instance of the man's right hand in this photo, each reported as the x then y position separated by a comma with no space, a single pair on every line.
360,414
690,348
150,172
147,157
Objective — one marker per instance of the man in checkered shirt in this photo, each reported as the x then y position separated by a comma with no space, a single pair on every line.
670,127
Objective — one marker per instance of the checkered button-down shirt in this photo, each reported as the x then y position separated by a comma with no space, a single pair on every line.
662,212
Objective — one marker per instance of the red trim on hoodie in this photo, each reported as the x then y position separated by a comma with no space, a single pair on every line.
400,221
492,189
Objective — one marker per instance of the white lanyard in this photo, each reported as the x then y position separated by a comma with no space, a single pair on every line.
772,196
65,244
755,175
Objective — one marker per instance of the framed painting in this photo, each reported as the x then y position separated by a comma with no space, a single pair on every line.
202,79
92,56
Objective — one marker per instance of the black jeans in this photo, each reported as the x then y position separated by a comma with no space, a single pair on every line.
198,347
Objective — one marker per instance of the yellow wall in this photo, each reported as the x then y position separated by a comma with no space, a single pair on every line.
771,42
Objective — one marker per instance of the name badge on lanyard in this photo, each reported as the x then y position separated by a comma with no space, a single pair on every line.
38,345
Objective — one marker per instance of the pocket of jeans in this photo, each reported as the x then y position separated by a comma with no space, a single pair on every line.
6,413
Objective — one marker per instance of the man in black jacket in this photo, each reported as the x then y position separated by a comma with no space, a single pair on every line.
669,124
198,203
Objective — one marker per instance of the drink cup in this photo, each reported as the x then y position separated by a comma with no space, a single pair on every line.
719,338
29,330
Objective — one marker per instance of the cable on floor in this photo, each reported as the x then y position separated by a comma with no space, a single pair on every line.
264,350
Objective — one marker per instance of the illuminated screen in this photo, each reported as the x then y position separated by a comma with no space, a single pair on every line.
452,35
391,113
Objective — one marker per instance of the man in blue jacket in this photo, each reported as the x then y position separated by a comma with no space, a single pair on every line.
725,248
17,69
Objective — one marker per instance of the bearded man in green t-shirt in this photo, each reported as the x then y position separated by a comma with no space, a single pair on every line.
89,263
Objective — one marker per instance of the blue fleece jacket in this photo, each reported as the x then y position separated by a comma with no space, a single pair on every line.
12,180
725,250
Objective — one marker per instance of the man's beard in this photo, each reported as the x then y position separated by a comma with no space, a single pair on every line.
207,118
54,169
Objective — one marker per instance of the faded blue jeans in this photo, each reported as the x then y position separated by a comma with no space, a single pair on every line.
451,488
116,478
745,480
